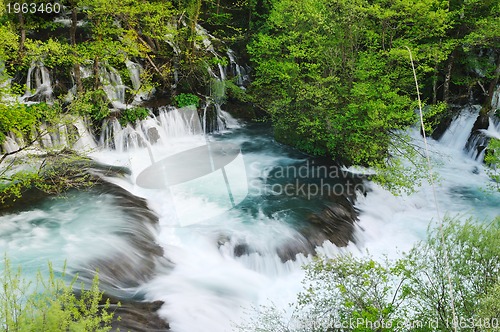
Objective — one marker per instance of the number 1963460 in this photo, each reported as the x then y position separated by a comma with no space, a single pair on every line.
33,8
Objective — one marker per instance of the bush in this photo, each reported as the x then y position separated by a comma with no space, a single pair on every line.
49,304
94,104
187,99
131,115
21,119
411,294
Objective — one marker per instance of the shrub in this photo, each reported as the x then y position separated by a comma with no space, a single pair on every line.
49,304
131,115
412,294
187,99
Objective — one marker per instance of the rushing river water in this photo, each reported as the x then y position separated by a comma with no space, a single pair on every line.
219,261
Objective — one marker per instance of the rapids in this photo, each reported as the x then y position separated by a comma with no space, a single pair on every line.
211,270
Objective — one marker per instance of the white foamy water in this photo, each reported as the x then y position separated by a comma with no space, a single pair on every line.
72,229
210,288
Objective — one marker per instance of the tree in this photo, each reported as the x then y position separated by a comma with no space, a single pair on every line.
490,309
336,79
473,252
464,52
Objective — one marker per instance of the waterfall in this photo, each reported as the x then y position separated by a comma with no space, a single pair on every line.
459,131
38,83
237,71
215,119
86,141
495,101
140,93
113,86
206,39
10,145
169,123
224,119
135,71
228,260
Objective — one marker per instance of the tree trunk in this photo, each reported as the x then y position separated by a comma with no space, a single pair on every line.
72,36
434,84
22,29
96,73
447,78
194,21
492,87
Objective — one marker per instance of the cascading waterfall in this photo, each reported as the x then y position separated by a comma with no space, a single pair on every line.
170,122
479,142
140,94
38,83
10,145
495,102
228,260
85,142
135,70
113,86
71,132
207,256
219,120
459,131
237,71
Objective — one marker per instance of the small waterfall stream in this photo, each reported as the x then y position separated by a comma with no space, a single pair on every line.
38,83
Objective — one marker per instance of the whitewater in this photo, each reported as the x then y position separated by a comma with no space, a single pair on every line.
221,261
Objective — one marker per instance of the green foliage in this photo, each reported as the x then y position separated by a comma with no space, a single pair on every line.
434,115
489,308
13,187
474,257
360,288
336,77
21,119
492,160
187,99
411,294
57,173
234,91
94,104
49,304
51,52
132,115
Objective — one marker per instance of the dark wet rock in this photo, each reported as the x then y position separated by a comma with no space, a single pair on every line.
128,269
153,135
334,222
477,141
441,128
120,270
30,196
140,316
293,247
241,249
